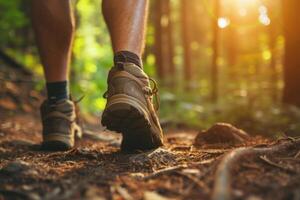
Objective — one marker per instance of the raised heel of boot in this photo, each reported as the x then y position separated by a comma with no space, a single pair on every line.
57,142
126,116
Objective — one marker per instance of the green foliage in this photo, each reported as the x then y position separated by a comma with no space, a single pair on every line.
16,37
12,18
248,97
258,115
92,56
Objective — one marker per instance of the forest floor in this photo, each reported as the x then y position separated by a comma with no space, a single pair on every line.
252,169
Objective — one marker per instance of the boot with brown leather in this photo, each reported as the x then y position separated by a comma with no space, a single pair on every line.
59,125
130,110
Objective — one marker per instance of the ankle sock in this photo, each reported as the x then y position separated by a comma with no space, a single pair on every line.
127,56
57,91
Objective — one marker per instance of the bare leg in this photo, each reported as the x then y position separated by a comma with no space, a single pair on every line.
129,109
126,22
53,24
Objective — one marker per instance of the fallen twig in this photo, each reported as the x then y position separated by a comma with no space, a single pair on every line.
222,186
207,161
214,151
164,171
268,161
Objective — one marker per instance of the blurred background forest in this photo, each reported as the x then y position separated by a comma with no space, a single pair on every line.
215,60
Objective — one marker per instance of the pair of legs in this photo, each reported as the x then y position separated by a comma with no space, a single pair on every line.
129,109
54,27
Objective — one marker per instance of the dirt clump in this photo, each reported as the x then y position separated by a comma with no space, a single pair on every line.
221,134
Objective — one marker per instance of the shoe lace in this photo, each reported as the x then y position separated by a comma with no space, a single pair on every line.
153,92
77,110
149,91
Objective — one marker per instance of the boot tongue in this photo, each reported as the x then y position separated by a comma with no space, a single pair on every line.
134,70
65,106
131,69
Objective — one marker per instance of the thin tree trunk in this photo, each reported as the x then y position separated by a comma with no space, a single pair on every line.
291,92
186,41
232,47
169,31
272,46
198,32
215,43
158,49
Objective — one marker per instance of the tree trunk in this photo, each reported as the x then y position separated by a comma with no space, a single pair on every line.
215,47
170,48
272,45
186,41
158,48
291,92
232,47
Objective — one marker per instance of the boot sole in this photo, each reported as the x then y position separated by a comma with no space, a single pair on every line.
57,142
126,115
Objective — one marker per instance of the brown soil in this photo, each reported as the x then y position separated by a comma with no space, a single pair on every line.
96,169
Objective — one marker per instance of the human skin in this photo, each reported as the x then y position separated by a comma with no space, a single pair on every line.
54,26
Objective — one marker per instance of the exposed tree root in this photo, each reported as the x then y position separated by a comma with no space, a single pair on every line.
165,171
269,162
222,185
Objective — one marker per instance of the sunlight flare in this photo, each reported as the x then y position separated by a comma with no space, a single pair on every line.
223,22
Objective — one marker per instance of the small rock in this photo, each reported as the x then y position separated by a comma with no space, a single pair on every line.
221,134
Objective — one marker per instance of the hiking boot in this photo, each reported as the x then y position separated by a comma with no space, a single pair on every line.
59,125
129,109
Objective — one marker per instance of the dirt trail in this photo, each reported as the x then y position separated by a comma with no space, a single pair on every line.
96,169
